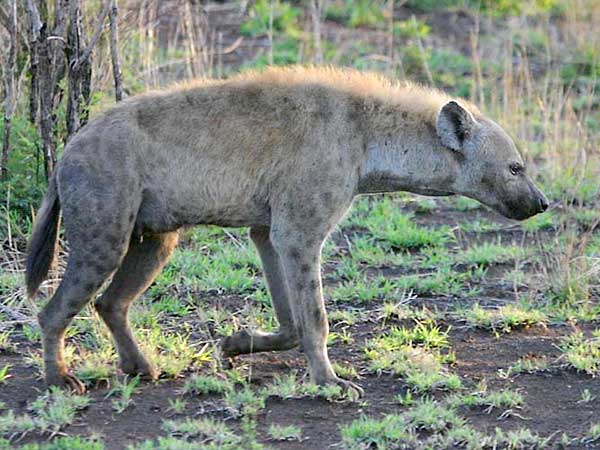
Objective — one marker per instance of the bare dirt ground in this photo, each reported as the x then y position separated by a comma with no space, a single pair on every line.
557,400
552,398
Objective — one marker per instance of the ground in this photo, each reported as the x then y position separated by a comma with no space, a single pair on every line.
466,330
493,354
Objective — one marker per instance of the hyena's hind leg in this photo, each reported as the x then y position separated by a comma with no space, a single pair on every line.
141,264
84,275
251,341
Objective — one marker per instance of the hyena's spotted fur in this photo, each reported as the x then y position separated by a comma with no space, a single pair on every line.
283,152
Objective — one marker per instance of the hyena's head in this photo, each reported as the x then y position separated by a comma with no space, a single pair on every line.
491,170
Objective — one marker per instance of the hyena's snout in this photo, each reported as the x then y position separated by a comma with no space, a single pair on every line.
543,203
532,201
539,199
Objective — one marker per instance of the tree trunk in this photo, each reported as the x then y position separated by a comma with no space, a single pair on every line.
73,52
315,9
46,94
35,27
79,74
10,87
114,50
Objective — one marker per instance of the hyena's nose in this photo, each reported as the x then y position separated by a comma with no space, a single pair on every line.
543,203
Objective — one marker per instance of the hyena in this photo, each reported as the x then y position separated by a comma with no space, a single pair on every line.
283,152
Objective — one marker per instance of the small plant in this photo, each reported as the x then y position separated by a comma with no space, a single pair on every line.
348,372
411,29
406,400
124,391
56,409
486,254
582,354
364,290
517,439
285,433
285,386
347,317
16,426
244,402
206,384
367,250
527,364
504,319
177,405
540,222
206,430
4,375
429,415
366,432
63,443
505,399
586,396
414,354
593,434
5,343
464,203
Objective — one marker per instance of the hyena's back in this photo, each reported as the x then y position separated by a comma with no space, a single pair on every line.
207,154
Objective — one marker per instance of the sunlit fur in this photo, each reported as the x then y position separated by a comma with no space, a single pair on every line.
283,152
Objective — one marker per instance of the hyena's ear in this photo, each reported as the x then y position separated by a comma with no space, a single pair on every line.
454,124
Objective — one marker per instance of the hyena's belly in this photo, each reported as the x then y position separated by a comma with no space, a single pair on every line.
169,210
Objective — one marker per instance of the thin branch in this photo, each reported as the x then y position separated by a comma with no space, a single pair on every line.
5,21
87,51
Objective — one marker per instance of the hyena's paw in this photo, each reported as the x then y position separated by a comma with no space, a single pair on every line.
141,367
234,345
66,381
350,389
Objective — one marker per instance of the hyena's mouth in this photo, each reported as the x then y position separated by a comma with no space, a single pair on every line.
521,211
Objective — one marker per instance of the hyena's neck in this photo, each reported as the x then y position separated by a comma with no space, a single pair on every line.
409,159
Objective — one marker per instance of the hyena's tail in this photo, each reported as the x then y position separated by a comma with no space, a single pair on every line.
43,242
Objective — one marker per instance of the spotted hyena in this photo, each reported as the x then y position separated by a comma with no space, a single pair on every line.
283,152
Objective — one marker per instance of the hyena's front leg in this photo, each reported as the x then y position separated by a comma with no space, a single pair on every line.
251,341
301,259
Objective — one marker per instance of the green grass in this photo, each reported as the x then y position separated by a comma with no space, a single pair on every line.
206,430
122,391
368,251
487,254
503,319
244,402
528,364
381,264
581,353
385,222
289,386
354,14
383,433
60,443
415,354
540,222
284,16
504,400
50,413
206,384
426,424
285,433
364,291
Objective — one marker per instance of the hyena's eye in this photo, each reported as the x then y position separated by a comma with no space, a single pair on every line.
516,168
